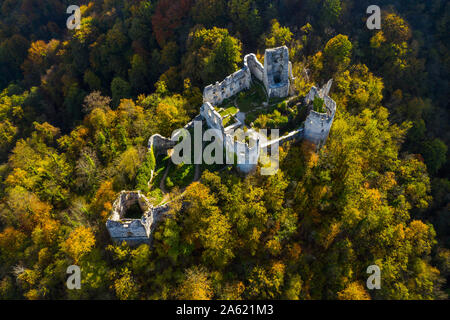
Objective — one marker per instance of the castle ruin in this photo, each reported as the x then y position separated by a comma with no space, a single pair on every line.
276,76
317,125
133,230
277,72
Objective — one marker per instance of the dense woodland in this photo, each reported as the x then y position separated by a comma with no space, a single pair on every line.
77,108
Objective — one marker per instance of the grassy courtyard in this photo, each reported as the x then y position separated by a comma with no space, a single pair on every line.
231,110
252,98
246,100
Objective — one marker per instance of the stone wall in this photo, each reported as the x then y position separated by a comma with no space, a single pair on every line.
293,135
318,125
276,72
255,67
160,144
212,117
246,156
231,85
133,231
191,123
275,75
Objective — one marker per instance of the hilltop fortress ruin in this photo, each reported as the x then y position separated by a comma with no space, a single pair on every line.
276,75
221,110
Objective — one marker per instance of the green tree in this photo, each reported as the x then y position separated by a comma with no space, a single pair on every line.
337,54
120,89
435,154
246,17
212,55
278,36
145,171
138,75
210,12
331,12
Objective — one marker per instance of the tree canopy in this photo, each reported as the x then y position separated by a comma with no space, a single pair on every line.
77,108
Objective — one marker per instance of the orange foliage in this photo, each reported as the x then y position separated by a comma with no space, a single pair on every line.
309,153
294,251
103,199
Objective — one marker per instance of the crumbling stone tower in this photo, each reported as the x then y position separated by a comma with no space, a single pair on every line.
318,124
277,71
133,231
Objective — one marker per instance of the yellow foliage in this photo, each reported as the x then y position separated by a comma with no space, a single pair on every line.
11,241
46,232
274,246
387,181
80,242
196,285
103,199
98,119
19,177
377,40
32,294
129,163
421,236
233,291
125,287
354,291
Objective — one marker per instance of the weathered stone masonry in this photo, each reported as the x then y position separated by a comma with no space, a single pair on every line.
318,125
276,74
133,231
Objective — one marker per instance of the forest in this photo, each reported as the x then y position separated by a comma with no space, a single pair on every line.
77,108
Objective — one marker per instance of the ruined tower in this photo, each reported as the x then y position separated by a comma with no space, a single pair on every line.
318,124
136,229
277,72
